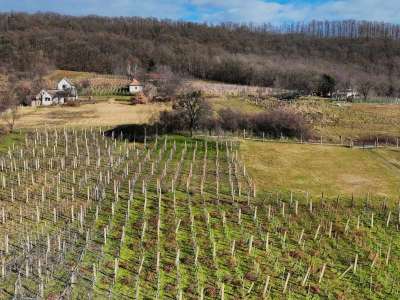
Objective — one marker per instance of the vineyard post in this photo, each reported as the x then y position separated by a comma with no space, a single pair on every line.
286,283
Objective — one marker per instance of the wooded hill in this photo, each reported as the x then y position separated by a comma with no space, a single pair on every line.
294,56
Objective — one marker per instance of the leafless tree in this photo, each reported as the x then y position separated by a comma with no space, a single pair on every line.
150,91
9,108
169,83
364,86
193,107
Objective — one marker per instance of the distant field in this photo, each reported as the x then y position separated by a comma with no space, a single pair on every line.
235,103
73,75
100,84
107,113
329,169
332,120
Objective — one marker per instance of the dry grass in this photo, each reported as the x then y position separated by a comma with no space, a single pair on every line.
73,75
328,169
333,120
355,121
223,89
108,113
235,103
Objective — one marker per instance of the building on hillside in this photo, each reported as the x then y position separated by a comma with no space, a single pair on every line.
64,84
345,95
135,87
65,91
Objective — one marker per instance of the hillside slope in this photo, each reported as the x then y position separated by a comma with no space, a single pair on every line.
234,54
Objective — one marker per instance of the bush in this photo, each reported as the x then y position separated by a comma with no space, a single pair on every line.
231,120
280,122
172,121
274,123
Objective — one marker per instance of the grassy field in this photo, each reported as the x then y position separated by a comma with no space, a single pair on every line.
332,120
178,218
57,75
105,113
329,169
235,103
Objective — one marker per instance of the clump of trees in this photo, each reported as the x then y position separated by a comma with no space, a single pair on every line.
192,112
326,86
275,123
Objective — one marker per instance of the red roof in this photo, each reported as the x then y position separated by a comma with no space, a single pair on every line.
135,82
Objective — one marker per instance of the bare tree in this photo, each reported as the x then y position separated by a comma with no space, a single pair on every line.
150,91
365,86
168,83
193,107
9,108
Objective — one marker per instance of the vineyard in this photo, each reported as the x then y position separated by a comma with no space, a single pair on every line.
84,216
102,85
92,84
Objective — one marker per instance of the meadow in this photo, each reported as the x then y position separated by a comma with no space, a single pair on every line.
85,216
317,169
336,122
101,113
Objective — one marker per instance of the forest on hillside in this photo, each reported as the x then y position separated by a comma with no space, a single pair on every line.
365,55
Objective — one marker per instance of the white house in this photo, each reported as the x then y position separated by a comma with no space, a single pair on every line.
135,87
345,95
65,92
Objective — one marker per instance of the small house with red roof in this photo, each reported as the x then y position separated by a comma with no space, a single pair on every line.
135,87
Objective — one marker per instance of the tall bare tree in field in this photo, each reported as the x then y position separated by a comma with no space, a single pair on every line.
12,97
193,107
364,86
9,108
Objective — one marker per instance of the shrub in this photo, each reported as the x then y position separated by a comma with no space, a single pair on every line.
280,122
172,121
274,123
231,120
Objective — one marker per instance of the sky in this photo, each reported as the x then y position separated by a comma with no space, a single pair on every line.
216,11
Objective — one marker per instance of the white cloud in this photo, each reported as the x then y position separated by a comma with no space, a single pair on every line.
274,12
377,10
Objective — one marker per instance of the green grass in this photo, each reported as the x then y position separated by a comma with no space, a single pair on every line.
8,140
323,169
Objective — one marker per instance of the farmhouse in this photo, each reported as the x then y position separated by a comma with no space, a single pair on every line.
345,95
65,91
135,87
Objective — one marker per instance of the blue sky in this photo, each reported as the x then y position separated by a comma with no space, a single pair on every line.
215,11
